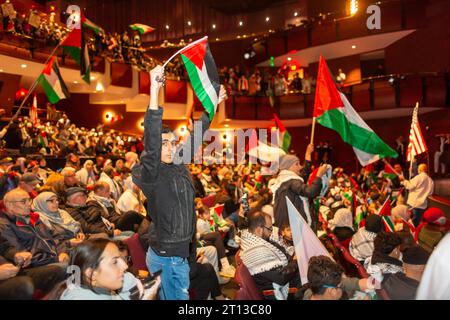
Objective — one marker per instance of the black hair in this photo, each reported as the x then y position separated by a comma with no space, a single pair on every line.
255,220
87,255
166,129
386,242
323,271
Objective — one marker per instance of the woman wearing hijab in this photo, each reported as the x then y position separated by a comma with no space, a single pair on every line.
86,174
61,225
342,226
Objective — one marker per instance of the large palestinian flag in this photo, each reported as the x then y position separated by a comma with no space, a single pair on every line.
334,111
202,72
52,82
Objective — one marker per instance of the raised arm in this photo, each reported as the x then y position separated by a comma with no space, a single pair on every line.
147,172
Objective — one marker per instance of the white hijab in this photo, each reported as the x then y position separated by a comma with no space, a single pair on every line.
435,283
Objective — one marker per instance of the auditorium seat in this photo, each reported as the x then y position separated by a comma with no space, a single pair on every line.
136,252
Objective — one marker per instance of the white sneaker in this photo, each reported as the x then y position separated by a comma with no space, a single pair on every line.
228,272
231,243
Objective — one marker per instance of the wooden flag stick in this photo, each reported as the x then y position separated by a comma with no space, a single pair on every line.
313,130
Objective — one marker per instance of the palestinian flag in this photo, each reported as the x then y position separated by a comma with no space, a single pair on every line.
142,28
91,25
202,71
385,213
217,216
285,137
389,172
334,111
116,118
74,45
33,112
360,215
52,82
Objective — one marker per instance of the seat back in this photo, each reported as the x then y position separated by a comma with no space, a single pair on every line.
352,267
248,289
136,251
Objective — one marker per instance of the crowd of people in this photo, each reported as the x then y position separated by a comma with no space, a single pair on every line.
40,30
195,220
61,137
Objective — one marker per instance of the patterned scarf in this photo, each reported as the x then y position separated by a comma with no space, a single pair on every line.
260,255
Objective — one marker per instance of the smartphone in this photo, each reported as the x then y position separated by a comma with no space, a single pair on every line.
146,283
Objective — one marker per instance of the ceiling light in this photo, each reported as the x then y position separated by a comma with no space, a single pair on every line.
75,81
189,23
214,26
217,39
241,23
289,58
226,125
295,13
167,27
267,19
92,77
23,66
353,47
1,70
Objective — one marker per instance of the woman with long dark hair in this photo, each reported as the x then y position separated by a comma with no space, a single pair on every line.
100,274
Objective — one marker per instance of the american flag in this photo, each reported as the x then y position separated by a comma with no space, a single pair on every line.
417,143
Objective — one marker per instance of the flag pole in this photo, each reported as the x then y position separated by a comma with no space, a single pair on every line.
33,86
184,48
411,157
313,129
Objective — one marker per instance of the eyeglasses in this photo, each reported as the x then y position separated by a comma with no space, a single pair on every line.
22,201
268,229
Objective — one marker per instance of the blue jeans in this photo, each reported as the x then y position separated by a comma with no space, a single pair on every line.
174,276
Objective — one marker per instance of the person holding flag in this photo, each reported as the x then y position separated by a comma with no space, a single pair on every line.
419,187
168,186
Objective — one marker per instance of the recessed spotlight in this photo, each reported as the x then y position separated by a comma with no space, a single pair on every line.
241,23
189,23
92,77
217,39
1,70
295,13
226,125
75,81
289,58
214,26
353,47
267,19
23,66
167,27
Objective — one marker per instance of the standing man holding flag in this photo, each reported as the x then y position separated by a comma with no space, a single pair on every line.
421,186
167,183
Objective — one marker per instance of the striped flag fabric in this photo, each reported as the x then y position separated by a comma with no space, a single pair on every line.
285,137
202,71
91,25
141,28
334,111
306,243
417,143
385,213
52,83
75,46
